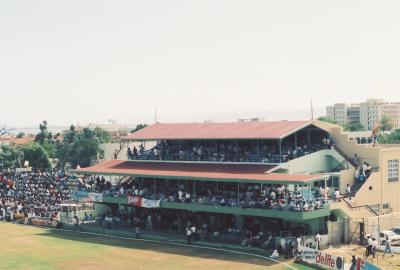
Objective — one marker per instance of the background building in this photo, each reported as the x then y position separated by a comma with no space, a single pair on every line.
367,113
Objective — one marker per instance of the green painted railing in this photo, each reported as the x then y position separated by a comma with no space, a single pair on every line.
259,212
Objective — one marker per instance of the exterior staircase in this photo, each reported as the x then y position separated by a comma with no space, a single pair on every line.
349,160
353,212
355,187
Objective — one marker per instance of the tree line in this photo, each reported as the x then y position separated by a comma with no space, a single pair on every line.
74,147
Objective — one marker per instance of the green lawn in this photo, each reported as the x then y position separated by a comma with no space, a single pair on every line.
27,247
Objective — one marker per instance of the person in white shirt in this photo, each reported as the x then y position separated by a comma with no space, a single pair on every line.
194,230
374,246
305,206
365,167
318,239
187,197
370,244
275,254
189,236
326,194
337,195
348,191
298,241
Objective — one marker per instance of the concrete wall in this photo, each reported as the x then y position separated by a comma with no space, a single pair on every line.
100,209
366,153
324,160
384,222
346,177
321,161
383,191
377,189
336,231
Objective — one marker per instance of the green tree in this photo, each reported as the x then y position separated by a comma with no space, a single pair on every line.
20,135
43,135
83,152
104,136
139,127
81,147
70,135
354,127
37,156
63,154
326,119
10,157
46,140
390,138
386,123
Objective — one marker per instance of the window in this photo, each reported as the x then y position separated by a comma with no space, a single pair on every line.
385,206
333,182
393,170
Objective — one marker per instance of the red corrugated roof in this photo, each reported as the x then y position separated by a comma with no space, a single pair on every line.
195,170
238,130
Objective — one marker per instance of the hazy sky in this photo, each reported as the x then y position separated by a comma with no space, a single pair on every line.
79,61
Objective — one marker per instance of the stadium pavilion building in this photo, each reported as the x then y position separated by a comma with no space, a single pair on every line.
232,160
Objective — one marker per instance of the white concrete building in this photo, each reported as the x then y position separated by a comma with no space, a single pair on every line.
368,113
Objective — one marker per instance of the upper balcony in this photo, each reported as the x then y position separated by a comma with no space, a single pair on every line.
281,213
242,189
255,142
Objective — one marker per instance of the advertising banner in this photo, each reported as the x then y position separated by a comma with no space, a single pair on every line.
322,259
94,197
142,202
84,196
42,222
80,195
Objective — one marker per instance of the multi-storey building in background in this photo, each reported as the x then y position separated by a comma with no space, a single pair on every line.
368,113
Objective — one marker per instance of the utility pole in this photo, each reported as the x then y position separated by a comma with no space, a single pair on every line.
312,111
155,114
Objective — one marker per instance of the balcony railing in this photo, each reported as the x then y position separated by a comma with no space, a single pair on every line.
284,213
253,158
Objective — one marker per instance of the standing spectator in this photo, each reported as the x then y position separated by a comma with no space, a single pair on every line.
129,153
353,263
76,223
370,244
388,247
374,246
298,241
194,233
318,239
348,191
137,232
149,222
337,195
189,236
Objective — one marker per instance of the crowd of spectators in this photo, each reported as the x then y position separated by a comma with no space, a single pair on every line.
228,151
266,196
363,172
31,194
276,197
198,227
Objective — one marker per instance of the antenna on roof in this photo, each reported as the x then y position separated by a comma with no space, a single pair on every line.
312,111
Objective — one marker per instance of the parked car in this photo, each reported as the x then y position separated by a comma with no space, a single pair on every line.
396,230
393,237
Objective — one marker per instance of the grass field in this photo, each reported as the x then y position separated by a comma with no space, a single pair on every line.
27,247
